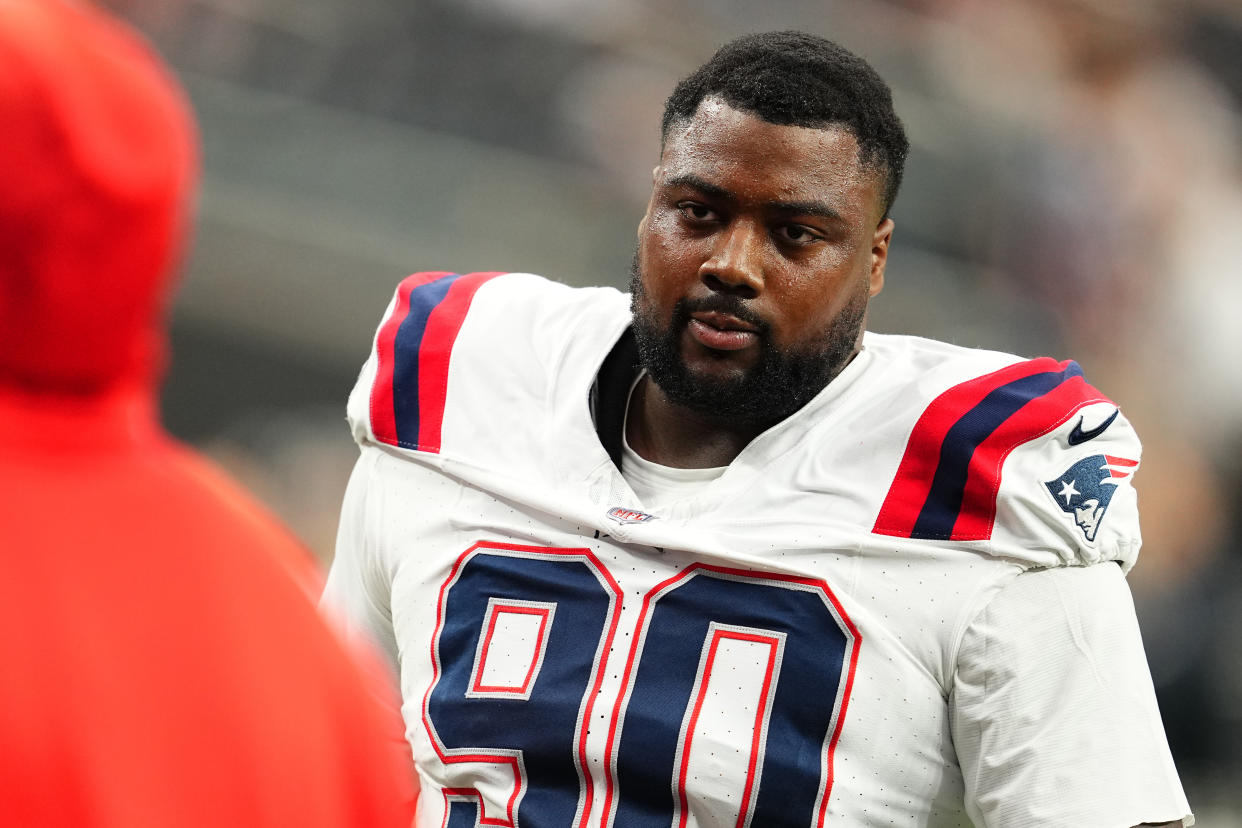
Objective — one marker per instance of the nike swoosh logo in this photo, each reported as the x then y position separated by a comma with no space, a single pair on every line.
1079,436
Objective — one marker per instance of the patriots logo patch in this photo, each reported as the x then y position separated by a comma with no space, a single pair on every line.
1086,488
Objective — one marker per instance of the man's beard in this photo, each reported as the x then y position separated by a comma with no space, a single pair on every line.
781,382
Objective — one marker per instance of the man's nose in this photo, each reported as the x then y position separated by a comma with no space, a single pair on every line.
735,265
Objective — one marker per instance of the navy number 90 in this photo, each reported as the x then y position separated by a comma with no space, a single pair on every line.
734,693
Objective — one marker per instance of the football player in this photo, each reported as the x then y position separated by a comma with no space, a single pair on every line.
710,554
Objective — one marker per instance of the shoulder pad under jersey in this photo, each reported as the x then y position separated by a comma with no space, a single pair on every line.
459,359
1030,459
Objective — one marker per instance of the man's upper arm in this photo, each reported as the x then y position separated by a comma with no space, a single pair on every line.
1053,712
356,596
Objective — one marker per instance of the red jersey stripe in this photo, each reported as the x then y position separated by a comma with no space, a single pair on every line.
383,416
1035,419
443,325
917,470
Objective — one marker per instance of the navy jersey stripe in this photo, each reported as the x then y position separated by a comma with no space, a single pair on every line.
406,350
944,500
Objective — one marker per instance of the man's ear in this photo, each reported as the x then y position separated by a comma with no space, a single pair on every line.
642,223
879,255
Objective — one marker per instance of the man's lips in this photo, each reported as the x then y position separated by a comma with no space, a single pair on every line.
721,331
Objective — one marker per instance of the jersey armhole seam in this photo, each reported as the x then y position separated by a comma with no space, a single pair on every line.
374,555
973,609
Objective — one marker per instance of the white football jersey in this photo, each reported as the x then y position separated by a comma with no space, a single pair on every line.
903,605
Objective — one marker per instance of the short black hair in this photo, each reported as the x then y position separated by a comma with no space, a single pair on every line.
798,79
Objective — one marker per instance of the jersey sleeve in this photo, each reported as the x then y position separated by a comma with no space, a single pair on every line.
1069,501
1030,461
464,369
401,394
1052,708
357,594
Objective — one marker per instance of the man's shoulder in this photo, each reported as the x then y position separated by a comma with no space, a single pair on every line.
929,375
1024,455
436,298
933,360
491,343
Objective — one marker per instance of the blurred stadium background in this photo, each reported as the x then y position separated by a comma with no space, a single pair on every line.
1074,189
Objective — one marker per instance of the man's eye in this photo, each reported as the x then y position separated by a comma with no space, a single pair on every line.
796,234
696,212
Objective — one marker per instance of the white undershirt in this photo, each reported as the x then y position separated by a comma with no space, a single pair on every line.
659,486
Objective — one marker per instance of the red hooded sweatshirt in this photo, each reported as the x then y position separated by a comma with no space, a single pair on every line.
162,662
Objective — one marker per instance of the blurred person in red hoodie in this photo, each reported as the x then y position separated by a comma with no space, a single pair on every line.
162,661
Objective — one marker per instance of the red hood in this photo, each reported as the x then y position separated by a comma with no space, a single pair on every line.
98,162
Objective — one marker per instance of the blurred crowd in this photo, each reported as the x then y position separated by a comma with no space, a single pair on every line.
1074,189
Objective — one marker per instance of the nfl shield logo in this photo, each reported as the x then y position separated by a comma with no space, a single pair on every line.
622,515
1086,488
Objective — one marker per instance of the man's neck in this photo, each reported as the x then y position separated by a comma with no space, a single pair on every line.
669,434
